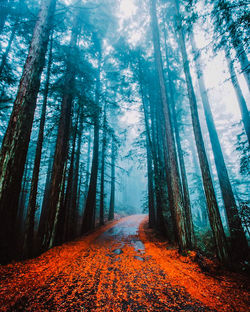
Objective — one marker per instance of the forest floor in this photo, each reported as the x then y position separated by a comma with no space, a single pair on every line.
122,266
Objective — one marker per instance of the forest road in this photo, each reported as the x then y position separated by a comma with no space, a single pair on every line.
107,270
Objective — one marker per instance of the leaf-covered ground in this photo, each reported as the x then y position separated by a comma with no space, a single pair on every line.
117,268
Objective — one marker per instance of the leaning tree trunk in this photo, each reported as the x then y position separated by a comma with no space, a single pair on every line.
112,194
16,140
238,238
30,220
62,144
174,174
214,214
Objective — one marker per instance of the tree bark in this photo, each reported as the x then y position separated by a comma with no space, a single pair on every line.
30,220
149,147
174,174
86,184
62,144
186,197
44,210
214,214
151,208
74,200
163,224
238,238
112,193
64,215
90,206
197,172
16,140
104,143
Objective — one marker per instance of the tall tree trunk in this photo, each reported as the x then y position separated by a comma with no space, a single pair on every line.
104,143
214,214
74,197
22,203
151,208
30,220
186,197
44,210
61,199
62,144
112,193
149,148
239,94
238,238
68,222
162,225
64,214
174,174
16,140
86,183
197,172
90,206
167,213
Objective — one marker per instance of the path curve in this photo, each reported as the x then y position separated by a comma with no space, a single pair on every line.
108,270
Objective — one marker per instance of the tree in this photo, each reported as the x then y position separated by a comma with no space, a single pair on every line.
104,143
173,165
234,222
61,150
225,20
30,220
16,139
214,214
112,192
90,206
241,100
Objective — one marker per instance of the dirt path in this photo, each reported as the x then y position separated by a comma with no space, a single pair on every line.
109,270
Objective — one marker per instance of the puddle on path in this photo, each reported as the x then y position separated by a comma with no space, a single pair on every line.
138,246
139,258
117,251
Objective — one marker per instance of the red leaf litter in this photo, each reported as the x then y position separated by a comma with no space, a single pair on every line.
122,266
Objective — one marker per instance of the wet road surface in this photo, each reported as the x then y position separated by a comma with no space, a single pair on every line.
108,271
